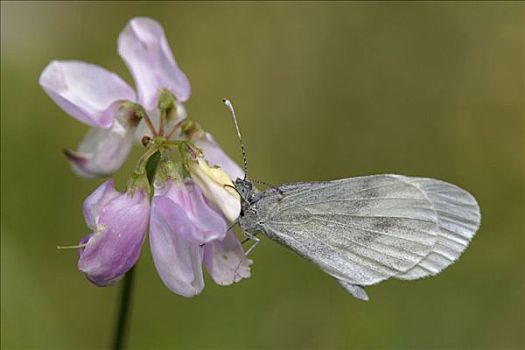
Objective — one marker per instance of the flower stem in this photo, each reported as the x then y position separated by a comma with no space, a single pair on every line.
162,120
124,310
175,127
148,122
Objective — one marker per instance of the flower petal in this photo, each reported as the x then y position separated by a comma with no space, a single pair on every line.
216,156
98,200
115,245
144,48
187,212
178,260
87,92
226,261
217,188
103,151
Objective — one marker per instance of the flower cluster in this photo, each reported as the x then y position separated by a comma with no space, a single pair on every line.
192,201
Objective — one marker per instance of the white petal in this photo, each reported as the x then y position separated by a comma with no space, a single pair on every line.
217,188
144,48
103,151
216,156
87,92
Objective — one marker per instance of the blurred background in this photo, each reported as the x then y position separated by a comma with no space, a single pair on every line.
322,91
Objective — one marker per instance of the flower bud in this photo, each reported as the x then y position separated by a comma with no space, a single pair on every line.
217,187
119,222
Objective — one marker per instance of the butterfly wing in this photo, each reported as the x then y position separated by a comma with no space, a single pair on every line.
364,230
458,220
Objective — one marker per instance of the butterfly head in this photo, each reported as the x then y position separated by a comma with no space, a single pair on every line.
245,189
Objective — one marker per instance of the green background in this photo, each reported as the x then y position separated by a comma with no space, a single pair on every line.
322,91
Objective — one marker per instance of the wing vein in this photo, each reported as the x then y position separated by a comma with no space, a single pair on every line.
387,234
375,242
337,183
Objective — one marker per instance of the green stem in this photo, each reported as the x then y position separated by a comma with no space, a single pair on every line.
174,129
149,124
124,310
162,120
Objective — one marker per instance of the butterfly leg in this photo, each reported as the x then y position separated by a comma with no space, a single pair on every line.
249,235
252,247
233,224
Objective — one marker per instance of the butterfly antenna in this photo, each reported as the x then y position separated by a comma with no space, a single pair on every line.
243,149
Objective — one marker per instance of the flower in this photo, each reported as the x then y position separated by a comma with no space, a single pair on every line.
192,201
119,222
185,231
102,100
217,187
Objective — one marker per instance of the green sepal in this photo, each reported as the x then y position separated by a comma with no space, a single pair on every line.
166,101
191,129
138,181
151,166
131,113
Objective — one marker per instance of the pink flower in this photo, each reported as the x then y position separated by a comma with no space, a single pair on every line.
118,222
185,231
102,100
188,218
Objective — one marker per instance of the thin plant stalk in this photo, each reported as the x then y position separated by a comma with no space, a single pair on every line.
124,311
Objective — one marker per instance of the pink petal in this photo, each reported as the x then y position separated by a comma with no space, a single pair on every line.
87,92
188,213
144,48
178,260
97,200
226,261
114,246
